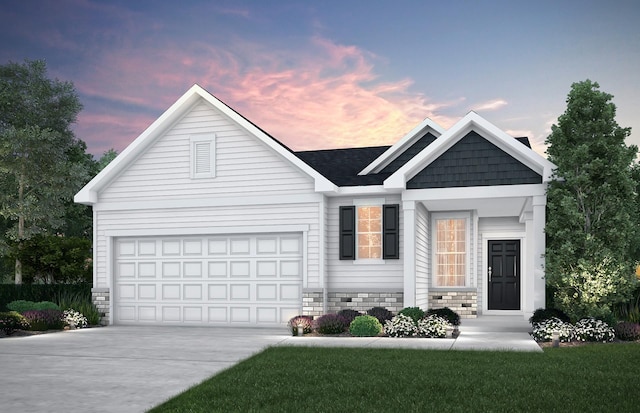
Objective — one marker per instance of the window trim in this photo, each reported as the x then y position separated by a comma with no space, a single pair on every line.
435,217
196,140
357,250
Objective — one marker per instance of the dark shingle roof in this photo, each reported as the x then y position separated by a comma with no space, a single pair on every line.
341,166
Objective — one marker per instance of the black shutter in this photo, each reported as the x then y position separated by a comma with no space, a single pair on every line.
391,232
347,232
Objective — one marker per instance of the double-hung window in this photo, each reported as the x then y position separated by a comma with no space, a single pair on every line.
451,239
369,231
369,228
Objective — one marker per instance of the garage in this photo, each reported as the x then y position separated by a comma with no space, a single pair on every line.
235,280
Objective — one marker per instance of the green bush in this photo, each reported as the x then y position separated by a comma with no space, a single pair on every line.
12,321
22,306
416,313
448,314
630,310
365,326
382,314
542,314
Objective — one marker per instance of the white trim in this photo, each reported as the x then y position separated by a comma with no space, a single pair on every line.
210,202
363,190
427,125
369,202
110,277
475,192
196,143
489,236
469,245
279,229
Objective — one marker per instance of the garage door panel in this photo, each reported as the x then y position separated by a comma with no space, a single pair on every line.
244,280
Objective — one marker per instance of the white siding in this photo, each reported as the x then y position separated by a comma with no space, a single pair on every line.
350,274
423,254
244,165
487,226
184,221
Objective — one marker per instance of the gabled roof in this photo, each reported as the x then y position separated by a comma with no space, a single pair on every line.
341,166
426,126
89,194
471,122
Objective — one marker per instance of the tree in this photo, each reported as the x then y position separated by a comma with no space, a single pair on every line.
591,206
39,154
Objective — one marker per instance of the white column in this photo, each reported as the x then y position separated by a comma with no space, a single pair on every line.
538,257
409,252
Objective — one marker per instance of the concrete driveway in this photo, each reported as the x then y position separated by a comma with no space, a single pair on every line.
118,369
132,369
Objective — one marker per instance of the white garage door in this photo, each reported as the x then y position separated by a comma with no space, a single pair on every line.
236,280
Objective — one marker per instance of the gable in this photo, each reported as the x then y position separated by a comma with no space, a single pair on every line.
473,161
412,151
341,166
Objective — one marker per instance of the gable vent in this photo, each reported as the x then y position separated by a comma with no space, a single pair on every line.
203,156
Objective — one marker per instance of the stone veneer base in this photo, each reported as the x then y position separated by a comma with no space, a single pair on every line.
465,303
100,298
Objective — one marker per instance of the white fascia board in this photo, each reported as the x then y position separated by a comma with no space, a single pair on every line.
322,184
89,193
363,190
471,122
407,140
475,192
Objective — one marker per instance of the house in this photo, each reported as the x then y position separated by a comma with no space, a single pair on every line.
206,219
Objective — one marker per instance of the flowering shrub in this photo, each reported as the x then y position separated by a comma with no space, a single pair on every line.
331,324
304,321
448,314
591,329
74,319
12,321
432,326
543,331
365,326
41,320
401,326
626,330
382,314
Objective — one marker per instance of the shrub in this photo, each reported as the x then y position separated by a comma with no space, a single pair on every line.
41,320
21,306
542,314
401,326
74,319
12,321
331,324
591,329
433,326
626,330
630,310
349,314
304,321
365,326
543,331
81,302
415,313
382,314
448,314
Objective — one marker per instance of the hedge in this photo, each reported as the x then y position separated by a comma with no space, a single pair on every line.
38,292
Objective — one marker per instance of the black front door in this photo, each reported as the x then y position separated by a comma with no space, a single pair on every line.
503,275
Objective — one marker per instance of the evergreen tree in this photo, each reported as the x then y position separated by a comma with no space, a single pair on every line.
591,206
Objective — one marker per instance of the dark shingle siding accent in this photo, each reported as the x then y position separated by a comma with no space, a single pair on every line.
473,161
412,151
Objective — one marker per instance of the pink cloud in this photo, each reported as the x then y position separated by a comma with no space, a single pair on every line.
324,96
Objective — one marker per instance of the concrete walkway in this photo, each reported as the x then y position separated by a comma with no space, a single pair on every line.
131,369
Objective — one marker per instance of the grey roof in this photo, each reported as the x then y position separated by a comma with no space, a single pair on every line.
341,166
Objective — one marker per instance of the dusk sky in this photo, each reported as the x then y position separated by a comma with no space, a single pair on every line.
331,74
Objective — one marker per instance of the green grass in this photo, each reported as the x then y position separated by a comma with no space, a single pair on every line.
594,378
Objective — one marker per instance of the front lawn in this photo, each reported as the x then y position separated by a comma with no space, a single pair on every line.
592,378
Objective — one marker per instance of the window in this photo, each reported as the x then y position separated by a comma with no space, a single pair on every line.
203,156
451,252
369,232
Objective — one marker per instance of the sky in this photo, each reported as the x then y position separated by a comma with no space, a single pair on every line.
331,74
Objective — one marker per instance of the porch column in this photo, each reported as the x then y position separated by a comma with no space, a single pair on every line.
409,253
538,256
